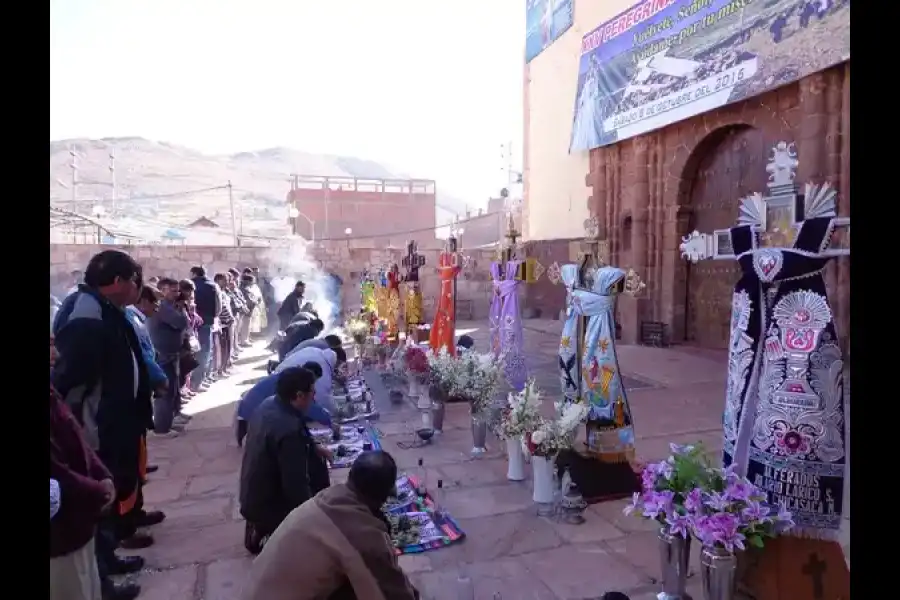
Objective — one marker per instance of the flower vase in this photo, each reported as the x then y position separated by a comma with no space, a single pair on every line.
479,434
718,569
543,491
515,470
675,557
438,408
414,392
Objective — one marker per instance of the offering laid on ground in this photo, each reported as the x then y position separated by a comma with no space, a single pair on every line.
417,523
354,440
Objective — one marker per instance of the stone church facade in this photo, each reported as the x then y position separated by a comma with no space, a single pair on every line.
650,191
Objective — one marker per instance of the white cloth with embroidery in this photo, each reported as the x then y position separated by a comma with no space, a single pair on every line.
54,497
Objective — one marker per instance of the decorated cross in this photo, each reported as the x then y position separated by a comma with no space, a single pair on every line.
530,270
413,261
776,218
594,255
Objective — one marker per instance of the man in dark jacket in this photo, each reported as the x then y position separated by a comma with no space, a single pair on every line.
206,298
168,328
291,305
280,470
101,374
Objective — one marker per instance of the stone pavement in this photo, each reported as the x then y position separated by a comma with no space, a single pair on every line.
509,552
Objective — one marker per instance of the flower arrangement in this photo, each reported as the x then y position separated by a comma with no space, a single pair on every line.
552,435
522,413
477,379
717,506
442,370
415,360
358,329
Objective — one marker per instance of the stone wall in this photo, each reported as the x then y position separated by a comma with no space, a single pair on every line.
347,260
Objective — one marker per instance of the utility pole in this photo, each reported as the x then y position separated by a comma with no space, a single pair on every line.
74,166
234,231
112,174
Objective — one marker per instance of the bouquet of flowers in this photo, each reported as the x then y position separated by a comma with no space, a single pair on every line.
415,360
717,506
665,487
442,370
732,513
522,413
477,379
358,329
552,435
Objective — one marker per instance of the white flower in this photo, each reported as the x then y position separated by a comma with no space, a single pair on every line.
539,437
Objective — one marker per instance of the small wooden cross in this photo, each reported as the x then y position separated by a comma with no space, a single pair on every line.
530,270
816,569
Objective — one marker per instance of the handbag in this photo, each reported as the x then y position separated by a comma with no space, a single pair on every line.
193,344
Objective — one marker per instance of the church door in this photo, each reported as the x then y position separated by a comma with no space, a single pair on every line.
731,165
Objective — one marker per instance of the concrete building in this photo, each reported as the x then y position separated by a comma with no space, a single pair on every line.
649,190
327,206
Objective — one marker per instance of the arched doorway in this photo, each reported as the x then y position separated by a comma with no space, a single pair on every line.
727,165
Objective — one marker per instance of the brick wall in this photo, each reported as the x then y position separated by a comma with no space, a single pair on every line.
347,260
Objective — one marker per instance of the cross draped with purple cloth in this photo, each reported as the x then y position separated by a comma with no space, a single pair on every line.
506,324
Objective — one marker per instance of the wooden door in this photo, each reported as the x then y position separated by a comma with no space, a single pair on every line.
730,168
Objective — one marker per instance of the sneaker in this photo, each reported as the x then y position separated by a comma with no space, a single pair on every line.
177,427
165,436
180,420
183,417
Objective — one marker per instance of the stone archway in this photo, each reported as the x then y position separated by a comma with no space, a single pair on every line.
725,166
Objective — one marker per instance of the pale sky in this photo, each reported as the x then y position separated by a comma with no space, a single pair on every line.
428,86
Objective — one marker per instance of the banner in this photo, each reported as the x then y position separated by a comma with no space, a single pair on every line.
545,21
663,61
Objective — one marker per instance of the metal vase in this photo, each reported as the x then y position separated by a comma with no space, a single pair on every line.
437,407
479,435
718,570
674,561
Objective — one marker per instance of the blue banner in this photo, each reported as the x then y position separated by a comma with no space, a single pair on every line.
663,61
545,21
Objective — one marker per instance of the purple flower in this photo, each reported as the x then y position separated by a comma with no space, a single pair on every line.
657,504
717,501
648,479
740,490
729,474
680,449
784,521
666,470
755,513
679,524
693,501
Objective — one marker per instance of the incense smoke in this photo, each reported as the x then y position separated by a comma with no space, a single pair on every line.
287,265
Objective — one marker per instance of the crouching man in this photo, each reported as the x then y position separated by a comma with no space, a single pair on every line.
343,538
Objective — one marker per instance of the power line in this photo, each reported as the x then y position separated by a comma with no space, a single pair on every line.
166,195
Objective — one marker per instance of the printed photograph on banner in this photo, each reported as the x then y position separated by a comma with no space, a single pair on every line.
545,21
663,61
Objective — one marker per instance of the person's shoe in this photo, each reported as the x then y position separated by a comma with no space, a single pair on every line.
138,541
152,468
126,564
183,417
122,591
149,518
165,436
179,421
177,427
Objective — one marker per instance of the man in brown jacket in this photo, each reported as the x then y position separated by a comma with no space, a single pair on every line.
336,545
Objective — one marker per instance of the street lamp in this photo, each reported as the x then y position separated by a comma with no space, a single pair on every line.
293,213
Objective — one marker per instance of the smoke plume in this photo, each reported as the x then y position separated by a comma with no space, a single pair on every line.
286,265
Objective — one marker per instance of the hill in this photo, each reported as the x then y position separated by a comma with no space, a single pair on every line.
161,184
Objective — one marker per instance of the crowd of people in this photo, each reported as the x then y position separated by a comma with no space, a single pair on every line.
126,355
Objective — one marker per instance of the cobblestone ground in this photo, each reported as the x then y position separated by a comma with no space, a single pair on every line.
510,553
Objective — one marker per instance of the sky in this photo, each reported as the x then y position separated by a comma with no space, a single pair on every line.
430,87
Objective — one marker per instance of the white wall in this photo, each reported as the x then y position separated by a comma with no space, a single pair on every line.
556,196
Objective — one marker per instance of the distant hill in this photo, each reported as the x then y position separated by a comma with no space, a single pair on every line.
158,182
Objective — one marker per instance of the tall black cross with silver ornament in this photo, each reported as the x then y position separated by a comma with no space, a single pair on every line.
784,422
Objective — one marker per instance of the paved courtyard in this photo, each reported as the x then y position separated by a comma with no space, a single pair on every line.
509,552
